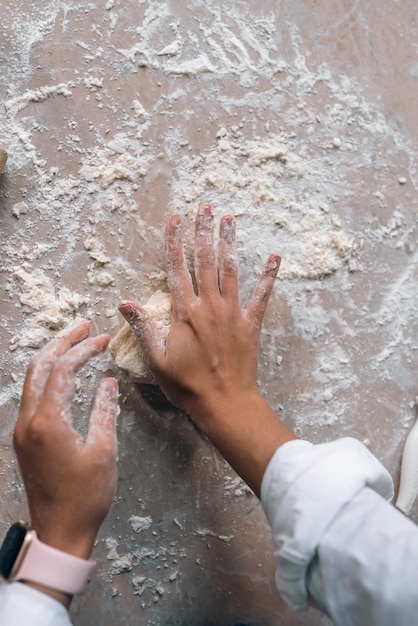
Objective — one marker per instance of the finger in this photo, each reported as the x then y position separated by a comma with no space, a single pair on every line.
59,389
102,425
179,279
40,368
227,259
261,294
146,331
204,254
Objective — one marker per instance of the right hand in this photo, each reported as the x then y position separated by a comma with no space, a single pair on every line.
211,352
208,366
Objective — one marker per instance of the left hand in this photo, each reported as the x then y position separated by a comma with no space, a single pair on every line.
70,482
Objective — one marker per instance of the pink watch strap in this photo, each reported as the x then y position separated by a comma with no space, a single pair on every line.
53,568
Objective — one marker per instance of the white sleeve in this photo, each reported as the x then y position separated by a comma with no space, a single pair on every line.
366,565
21,605
305,492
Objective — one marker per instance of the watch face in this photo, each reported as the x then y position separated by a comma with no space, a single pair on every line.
11,548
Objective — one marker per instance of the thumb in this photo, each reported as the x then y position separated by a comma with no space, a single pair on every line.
146,331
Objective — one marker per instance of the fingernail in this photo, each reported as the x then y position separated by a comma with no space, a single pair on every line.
228,229
175,219
110,387
206,209
273,263
128,311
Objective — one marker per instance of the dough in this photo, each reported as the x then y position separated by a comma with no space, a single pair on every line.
125,347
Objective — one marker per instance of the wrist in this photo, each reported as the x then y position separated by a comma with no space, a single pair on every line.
209,411
79,546
63,598
245,430
51,570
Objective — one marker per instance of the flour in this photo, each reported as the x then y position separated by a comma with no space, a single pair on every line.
47,308
104,279
96,251
139,523
200,65
124,167
265,183
120,563
206,532
172,49
235,486
140,114
38,95
288,183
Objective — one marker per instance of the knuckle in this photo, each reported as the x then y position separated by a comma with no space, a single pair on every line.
18,436
229,269
206,258
175,262
34,434
36,427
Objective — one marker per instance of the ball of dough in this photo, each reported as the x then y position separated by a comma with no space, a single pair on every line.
125,347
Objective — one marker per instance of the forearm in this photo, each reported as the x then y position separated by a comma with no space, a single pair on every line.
244,429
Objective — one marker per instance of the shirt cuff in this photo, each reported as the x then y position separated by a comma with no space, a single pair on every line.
21,604
304,488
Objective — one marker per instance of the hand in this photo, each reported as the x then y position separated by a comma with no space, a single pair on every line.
212,348
208,366
70,482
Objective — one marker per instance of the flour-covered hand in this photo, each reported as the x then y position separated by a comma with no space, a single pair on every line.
211,352
208,365
70,481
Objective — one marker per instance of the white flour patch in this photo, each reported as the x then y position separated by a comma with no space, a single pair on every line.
47,308
266,184
140,523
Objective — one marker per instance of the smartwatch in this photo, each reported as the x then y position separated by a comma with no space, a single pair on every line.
23,557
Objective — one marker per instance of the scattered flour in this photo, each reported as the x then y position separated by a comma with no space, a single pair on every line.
120,563
124,167
266,184
38,95
206,532
194,67
47,308
139,523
